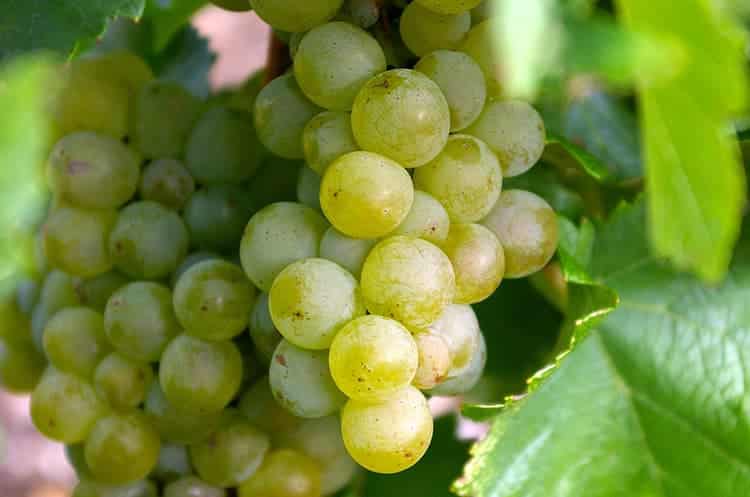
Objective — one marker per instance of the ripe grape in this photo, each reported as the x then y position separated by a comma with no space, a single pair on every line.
480,45
120,65
212,300
349,253
93,170
469,377
178,425
95,292
58,292
191,486
425,31
190,261
527,228
403,115
259,407
362,13
168,182
174,463
408,279
434,360
449,6
277,236
459,327
262,330
327,137
391,436
462,82
217,215
284,473
21,365
333,61
122,382
372,358
311,299
514,130
427,219
465,178
74,341
366,195
308,188
478,261
294,16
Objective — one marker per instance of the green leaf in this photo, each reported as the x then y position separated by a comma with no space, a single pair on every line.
654,403
27,25
168,16
695,179
545,182
567,155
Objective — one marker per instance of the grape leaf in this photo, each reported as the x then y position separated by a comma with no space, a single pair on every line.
652,403
27,25
567,155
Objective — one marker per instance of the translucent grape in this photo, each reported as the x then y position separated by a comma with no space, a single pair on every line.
174,463
64,407
294,16
200,376
301,382
75,240
95,292
311,299
190,261
262,330
190,486
74,341
478,261
284,473
122,448
427,219
277,236
434,360
308,188
236,6
139,320
21,366
459,327
223,147
403,115
216,216
58,292
93,170
480,45
212,300
281,113
448,6
469,377
366,195
121,382
388,437
462,82
334,60
372,358
164,114
527,228
327,137
514,130
149,241
362,13
465,178
178,425
408,279
349,253
120,65
275,182
168,182
259,407
425,31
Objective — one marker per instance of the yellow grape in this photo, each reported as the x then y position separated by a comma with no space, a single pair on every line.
434,360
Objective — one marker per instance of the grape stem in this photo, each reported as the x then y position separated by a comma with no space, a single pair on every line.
277,60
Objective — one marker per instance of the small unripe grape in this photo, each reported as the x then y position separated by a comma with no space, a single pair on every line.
362,13
434,360
263,332
178,425
459,327
190,486
427,219
74,340
425,31
449,6
95,292
347,252
174,463
58,292
469,377
327,137
168,182
122,382
284,473
294,16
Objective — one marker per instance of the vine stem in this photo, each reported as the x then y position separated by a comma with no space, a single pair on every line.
277,60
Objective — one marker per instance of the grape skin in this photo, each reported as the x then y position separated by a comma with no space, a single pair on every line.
424,31
174,463
469,377
434,360
178,425
259,407
121,381
284,473
74,341
308,187
264,334
21,366
191,486
217,215
459,327
479,44
427,219
168,182
58,292
327,137
95,292
294,16
349,253
449,6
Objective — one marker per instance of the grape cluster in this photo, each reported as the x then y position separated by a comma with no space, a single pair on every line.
257,290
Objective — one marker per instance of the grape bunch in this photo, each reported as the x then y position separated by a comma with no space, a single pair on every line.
258,291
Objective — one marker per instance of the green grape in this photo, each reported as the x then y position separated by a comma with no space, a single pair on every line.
294,40
462,82
403,115
91,488
200,376
15,325
232,454
308,188
281,113
483,11
366,195
190,486
216,216
122,382
168,182
349,253
480,45
427,219
275,182
277,236
164,114
120,65
243,98
21,366
514,130
466,178
434,360
75,240
190,261
223,147
362,13
58,292
527,228
93,170
177,425
27,295
95,292
139,320
372,358
294,16
74,340
212,300
466,380
334,60
301,382
122,448
259,407
391,436
321,440
478,261
459,327
449,6
409,280
262,330
396,53
311,299
148,241
327,137
425,31
284,473
236,6
64,407
173,464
